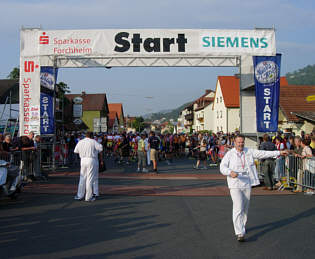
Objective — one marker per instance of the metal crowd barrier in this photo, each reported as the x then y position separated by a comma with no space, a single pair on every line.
293,172
14,158
300,172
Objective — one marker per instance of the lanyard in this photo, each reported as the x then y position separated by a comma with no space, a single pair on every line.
242,161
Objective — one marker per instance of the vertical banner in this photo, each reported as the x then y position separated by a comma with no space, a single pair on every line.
47,77
47,81
47,120
267,86
29,95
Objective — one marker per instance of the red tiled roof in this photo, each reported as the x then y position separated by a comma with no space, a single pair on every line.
117,107
112,115
203,101
283,81
91,102
230,87
293,99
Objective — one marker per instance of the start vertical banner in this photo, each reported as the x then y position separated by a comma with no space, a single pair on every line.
267,86
48,76
47,125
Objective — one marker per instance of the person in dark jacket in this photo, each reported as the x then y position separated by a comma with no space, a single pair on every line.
125,149
268,165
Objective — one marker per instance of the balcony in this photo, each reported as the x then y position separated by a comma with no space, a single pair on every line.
200,116
189,117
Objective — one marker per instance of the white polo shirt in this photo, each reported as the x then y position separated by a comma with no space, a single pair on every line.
88,148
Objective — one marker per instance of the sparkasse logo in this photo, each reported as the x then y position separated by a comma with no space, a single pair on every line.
29,66
44,39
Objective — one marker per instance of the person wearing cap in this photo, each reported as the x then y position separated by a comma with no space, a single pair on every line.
239,167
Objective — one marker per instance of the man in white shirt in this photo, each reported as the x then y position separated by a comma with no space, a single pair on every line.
239,167
88,150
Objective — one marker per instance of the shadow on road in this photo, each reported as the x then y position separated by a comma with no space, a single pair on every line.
279,224
50,225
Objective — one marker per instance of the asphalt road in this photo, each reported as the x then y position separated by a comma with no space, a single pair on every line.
56,226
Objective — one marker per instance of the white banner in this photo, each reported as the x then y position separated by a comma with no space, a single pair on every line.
29,95
151,42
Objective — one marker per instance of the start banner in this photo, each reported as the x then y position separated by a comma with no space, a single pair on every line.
47,123
267,87
151,42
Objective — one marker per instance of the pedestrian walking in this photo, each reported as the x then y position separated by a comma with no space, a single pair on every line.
88,150
239,167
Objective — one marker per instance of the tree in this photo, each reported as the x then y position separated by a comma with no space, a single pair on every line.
62,88
138,124
14,74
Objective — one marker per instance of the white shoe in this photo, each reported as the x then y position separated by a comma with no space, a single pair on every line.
144,170
138,170
91,200
77,198
12,188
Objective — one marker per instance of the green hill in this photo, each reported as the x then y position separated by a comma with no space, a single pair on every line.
303,76
172,114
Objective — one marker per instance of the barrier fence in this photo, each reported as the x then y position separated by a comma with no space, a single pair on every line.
293,172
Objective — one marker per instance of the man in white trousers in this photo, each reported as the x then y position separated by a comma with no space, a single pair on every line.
88,150
239,167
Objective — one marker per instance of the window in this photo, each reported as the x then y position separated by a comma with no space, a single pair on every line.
217,114
220,99
221,128
220,114
218,129
217,100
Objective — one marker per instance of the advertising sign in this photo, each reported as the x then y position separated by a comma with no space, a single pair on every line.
47,125
120,47
77,110
29,95
267,87
153,42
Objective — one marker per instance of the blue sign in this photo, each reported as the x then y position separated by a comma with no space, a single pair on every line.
47,77
47,125
267,86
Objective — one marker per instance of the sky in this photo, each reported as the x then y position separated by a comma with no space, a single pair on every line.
167,88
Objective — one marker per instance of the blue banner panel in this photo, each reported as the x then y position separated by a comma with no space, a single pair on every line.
267,86
47,114
47,77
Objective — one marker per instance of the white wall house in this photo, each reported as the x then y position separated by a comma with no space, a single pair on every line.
180,122
202,114
225,108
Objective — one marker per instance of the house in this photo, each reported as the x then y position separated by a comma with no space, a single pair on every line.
202,116
113,122
118,108
296,112
9,109
129,123
9,87
91,109
226,105
188,117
